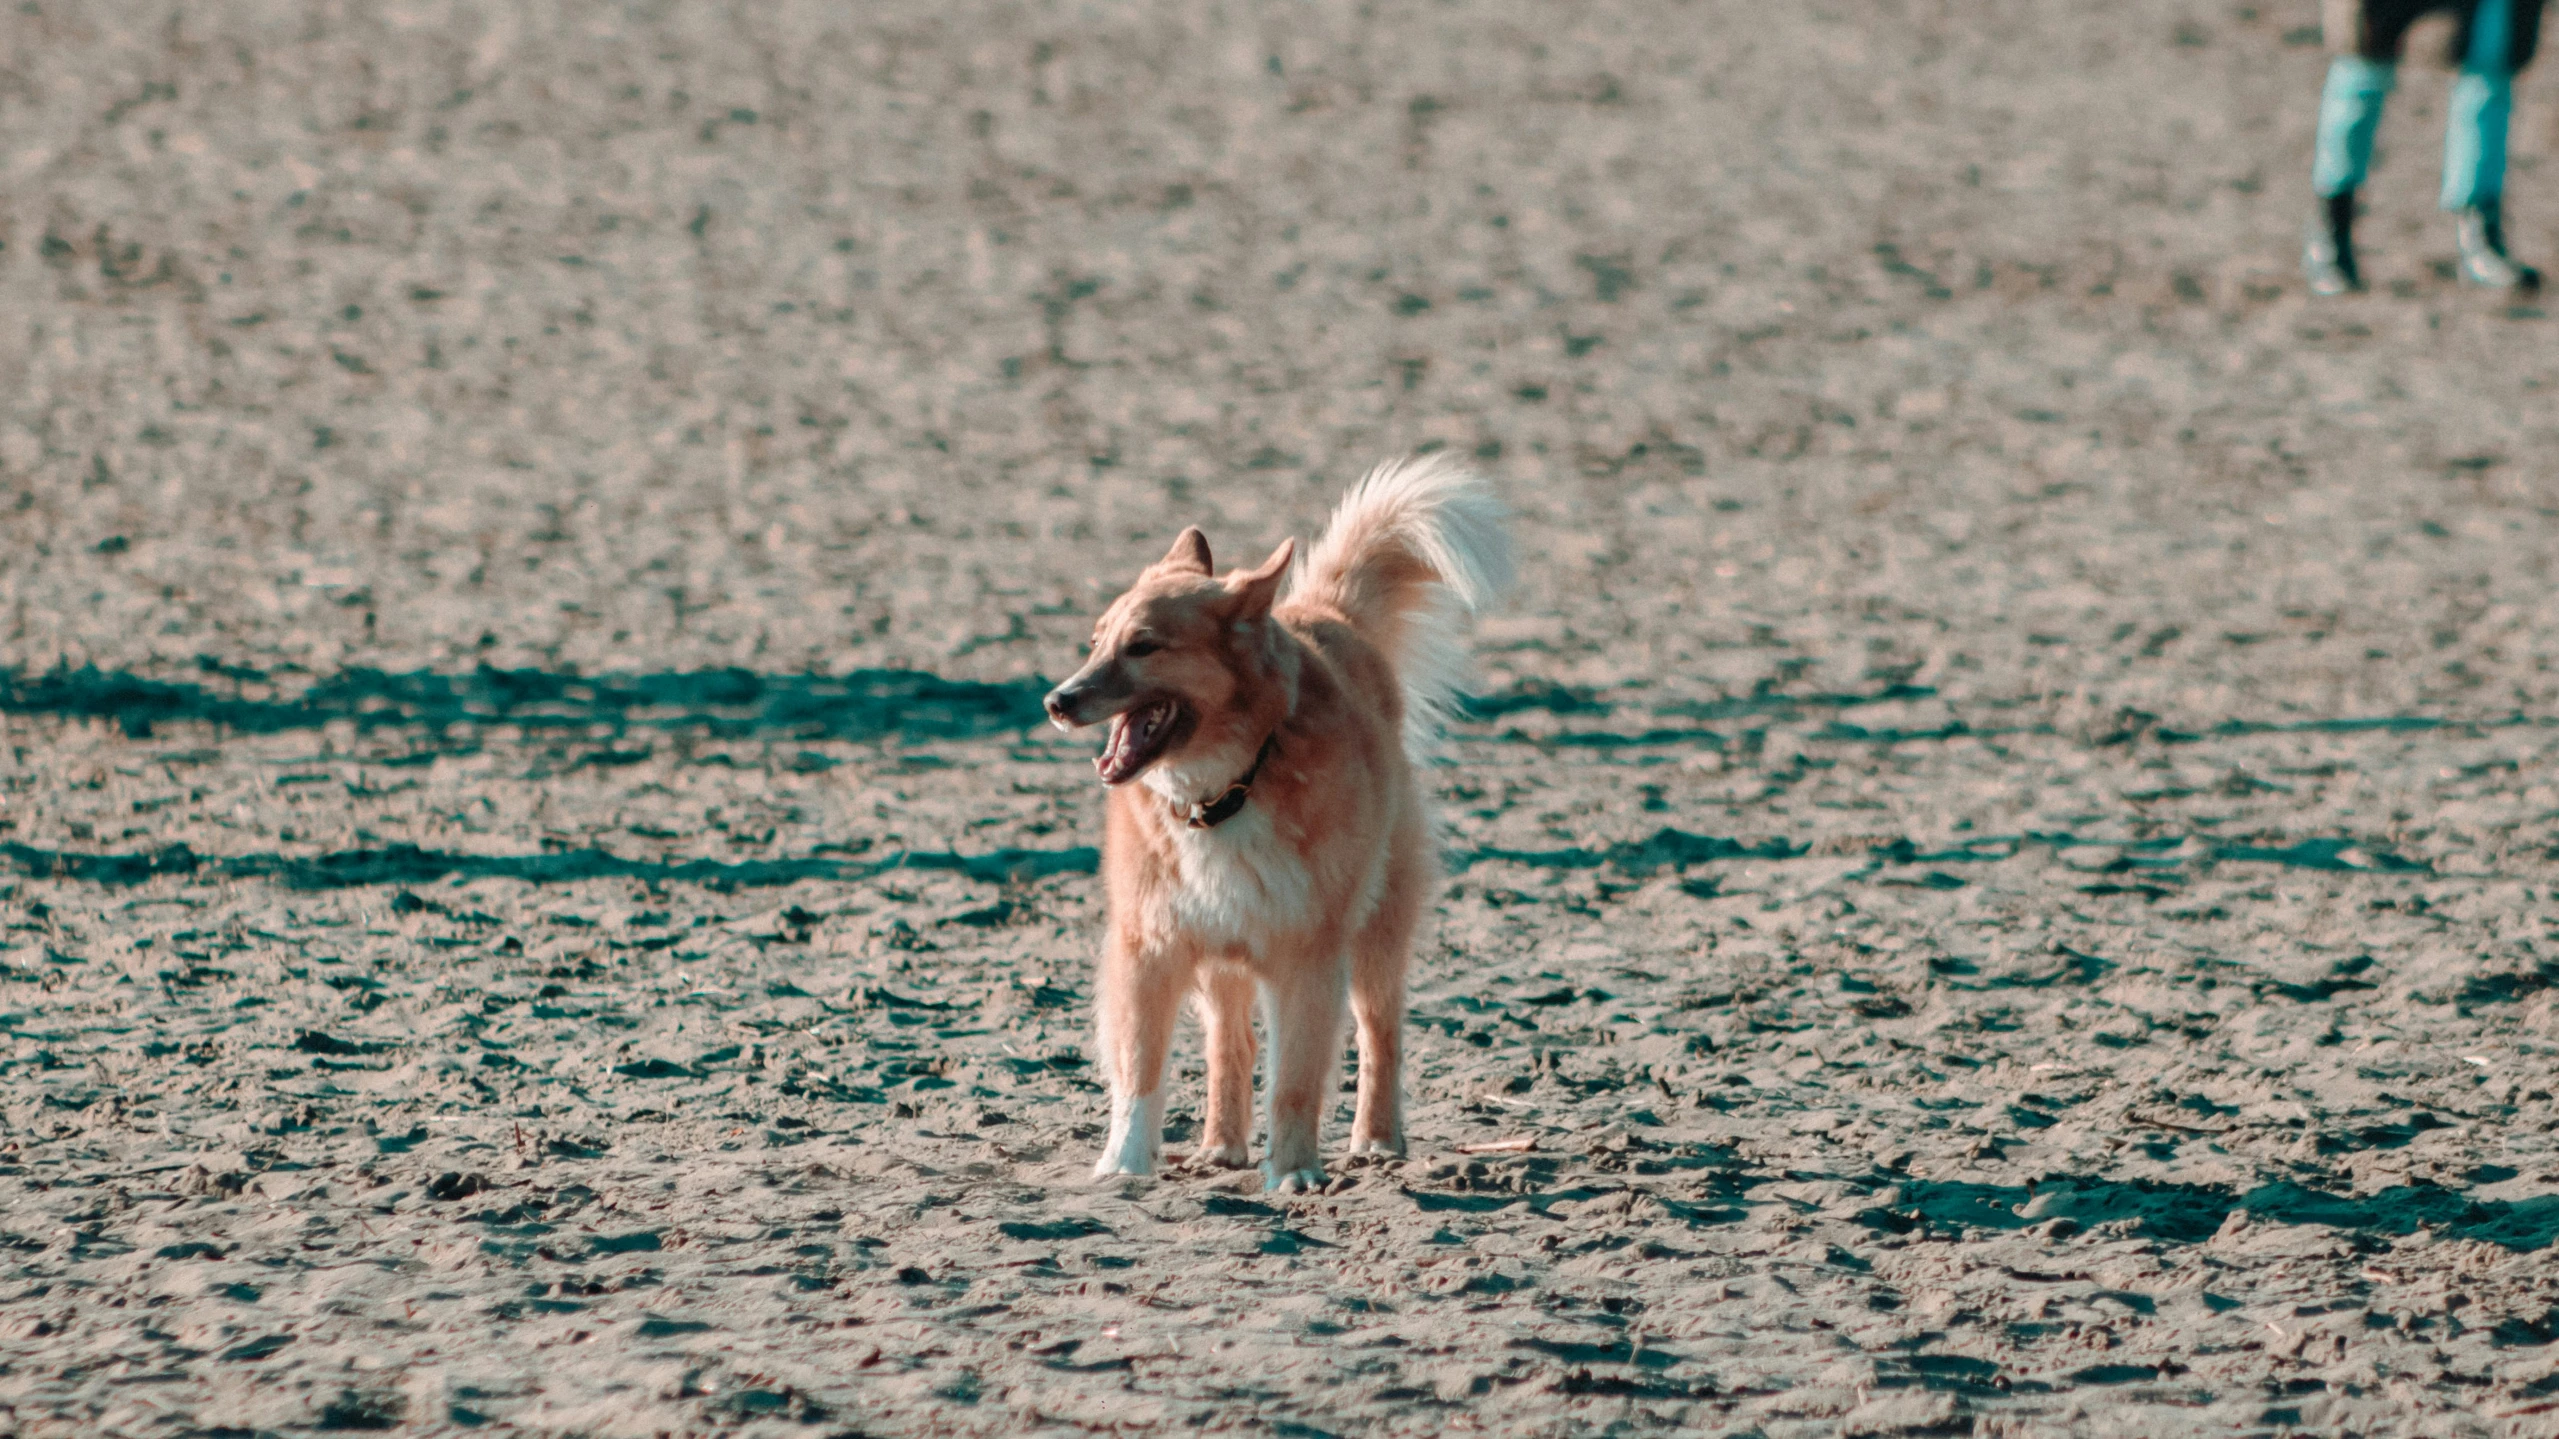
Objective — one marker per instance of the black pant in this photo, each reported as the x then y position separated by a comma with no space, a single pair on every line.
2378,29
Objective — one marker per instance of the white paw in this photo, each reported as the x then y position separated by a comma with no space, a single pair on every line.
1377,1148
1136,1137
1292,1181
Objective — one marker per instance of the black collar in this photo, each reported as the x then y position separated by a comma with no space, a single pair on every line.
1230,804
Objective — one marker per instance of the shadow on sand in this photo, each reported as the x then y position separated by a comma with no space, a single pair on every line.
411,865
864,705
1665,849
871,705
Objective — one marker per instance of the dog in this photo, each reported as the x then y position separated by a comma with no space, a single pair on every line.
1266,832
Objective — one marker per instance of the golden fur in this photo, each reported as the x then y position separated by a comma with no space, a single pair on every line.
1309,895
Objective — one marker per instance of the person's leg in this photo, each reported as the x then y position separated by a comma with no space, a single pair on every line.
2474,157
2474,142
2349,116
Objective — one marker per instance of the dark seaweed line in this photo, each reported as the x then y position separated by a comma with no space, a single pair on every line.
1666,848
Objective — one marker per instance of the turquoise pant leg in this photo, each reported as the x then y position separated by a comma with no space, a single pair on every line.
2474,141
2349,114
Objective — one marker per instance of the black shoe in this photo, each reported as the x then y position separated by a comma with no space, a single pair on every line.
2328,255
2481,230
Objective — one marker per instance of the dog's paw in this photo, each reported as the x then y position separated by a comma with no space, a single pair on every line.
1292,1181
1225,1156
1113,1166
1135,1144
1377,1148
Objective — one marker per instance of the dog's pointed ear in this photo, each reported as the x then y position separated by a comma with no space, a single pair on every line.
1189,552
1256,589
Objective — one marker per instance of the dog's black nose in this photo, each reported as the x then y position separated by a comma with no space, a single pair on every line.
1055,704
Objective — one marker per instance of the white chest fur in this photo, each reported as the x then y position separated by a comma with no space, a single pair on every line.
1238,883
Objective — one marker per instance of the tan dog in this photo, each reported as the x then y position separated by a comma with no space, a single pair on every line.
1278,840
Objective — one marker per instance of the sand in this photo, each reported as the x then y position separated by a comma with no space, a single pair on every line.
2001,866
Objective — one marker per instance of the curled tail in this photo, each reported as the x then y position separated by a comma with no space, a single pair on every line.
1411,552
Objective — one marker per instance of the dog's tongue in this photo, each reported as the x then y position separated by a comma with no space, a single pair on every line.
1134,738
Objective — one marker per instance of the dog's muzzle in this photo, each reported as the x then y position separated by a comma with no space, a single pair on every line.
1071,705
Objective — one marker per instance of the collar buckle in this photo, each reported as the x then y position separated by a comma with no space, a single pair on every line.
1208,814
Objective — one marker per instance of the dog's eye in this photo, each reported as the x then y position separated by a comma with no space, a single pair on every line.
1140,648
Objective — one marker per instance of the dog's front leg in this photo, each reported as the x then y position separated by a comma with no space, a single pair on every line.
1226,1013
1141,993
1306,1043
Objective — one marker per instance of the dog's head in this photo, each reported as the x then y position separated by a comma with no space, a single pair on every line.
1171,657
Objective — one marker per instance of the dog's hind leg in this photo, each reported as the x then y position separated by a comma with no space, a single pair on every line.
1381,954
1226,1018
1141,995
1306,1042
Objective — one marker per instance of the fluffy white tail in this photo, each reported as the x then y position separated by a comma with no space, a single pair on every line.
1412,551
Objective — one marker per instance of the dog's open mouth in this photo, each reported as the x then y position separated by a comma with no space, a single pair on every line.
1138,738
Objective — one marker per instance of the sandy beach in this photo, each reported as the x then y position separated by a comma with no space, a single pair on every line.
2001,871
